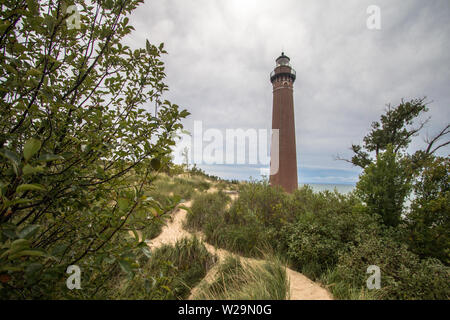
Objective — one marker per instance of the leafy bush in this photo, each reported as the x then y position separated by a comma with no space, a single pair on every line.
314,242
328,236
245,228
207,208
76,144
239,232
271,205
428,222
403,274
384,186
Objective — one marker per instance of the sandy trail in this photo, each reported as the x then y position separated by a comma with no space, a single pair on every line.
301,288
173,230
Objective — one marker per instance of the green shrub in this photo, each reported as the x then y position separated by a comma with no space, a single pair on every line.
150,222
314,242
271,205
403,274
72,130
171,186
428,222
247,226
239,232
206,208
384,186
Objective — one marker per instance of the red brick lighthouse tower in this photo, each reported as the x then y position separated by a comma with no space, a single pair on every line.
283,159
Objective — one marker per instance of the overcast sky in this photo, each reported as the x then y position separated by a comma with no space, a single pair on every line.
221,53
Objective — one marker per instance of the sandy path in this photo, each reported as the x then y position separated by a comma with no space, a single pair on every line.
173,230
301,288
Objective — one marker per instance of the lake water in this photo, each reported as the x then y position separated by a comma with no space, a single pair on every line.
342,188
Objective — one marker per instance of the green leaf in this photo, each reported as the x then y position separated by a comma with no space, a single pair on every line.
156,164
12,157
49,157
184,113
109,4
30,187
185,208
147,286
11,268
123,204
136,235
9,230
33,6
31,147
59,249
10,203
19,244
4,26
29,253
33,268
142,244
126,266
28,170
29,231
11,69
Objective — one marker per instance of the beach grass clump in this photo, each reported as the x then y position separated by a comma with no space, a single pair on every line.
247,280
170,272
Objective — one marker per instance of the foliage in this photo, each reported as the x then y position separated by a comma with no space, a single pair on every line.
180,186
392,129
270,205
384,186
239,232
314,242
79,162
196,171
248,238
403,274
74,130
428,222
330,237
205,208
170,272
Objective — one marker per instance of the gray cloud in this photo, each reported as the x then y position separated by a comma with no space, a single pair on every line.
221,54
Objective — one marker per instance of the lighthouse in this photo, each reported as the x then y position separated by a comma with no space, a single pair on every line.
283,162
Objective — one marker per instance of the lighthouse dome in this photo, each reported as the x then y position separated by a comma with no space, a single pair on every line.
283,60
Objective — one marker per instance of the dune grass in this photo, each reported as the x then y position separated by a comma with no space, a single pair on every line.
206,209
242,232
241,280
166,192
183,186
170,272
